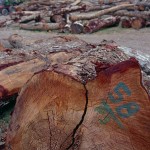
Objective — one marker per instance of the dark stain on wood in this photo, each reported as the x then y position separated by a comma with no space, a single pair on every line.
122,66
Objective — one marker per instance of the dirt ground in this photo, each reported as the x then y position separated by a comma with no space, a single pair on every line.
135,39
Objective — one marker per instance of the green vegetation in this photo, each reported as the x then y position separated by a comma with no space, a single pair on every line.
7,108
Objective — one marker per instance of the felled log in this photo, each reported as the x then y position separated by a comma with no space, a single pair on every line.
94,8
56,110
135,23
17,67
76,2
45,20
140,14
114,2
27,19
143,5
97,24
88,16
41,26
58,19
21,64
25,16
33,7
60,11
76,28
138,23
125,22
109,1
16,40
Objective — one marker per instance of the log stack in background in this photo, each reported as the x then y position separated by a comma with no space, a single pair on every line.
50,15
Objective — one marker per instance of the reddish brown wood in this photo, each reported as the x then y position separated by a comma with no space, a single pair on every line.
68,113
27,19
60,11
1,47
88,16
98,24
138,23
125,22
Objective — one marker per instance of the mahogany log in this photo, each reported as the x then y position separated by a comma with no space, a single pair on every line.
97,24
125,22
55,110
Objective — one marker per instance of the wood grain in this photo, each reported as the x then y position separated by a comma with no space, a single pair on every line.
54,111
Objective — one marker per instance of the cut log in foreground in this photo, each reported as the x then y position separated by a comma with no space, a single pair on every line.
19,65
55,111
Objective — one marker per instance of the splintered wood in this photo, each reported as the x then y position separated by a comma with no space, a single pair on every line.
57,111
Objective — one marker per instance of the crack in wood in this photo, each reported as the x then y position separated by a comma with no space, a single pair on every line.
82,119
49,131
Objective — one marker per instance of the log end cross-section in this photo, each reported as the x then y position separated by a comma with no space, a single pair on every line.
56,112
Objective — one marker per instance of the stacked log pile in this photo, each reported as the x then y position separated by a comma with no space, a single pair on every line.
76,17
74,95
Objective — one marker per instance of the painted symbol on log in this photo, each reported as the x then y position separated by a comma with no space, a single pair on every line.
124,111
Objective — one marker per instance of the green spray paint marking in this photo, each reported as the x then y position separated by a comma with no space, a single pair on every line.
130,107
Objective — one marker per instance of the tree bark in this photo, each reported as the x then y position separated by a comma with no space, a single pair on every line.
27,19
76,2
58,19
94,8
140,14
89,16
56,110
98,24
60,11
41,26
20,65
